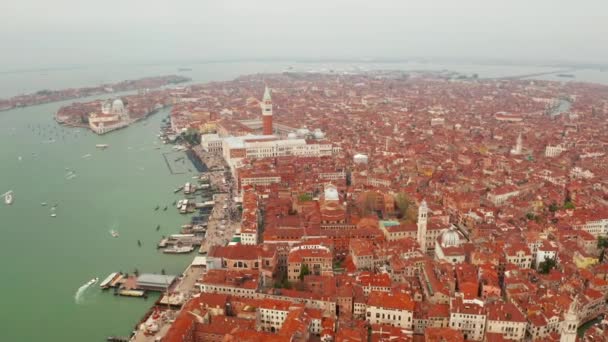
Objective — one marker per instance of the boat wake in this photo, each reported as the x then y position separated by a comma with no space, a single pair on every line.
78,297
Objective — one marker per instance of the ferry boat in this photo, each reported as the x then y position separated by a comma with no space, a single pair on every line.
114,233
8,198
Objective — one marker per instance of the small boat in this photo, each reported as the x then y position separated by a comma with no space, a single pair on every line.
8,197
157,207
92,281
165,208
158,227
139,243
114,233
102,146
43,204
174,202
53,215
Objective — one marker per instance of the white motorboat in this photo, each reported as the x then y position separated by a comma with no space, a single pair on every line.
114,233
92,281
102,146
53,215
8,197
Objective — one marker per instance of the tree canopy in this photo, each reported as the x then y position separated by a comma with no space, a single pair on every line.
547,265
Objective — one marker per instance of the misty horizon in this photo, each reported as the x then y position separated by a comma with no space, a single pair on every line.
73,33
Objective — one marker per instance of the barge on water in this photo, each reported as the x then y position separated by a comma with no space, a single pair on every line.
131,293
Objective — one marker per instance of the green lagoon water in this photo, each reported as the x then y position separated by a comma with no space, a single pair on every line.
44,260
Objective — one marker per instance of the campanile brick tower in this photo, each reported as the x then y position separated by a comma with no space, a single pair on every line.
267,113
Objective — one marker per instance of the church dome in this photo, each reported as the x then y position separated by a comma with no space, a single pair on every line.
450,238
118,107
331,194
106,107
302,132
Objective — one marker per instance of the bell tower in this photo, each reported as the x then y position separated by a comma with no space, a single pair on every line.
267,113
423,211
570,323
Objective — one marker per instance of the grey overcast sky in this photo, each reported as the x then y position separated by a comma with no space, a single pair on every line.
35,33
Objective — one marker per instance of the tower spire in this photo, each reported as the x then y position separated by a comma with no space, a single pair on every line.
518,146
570,323
267,112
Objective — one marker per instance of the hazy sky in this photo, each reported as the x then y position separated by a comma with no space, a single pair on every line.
46,33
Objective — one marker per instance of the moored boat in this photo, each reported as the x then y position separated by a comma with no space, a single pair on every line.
178,250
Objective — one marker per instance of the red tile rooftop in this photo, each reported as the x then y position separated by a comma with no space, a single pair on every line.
443,335
399,301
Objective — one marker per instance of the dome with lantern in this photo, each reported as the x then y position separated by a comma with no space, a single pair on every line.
118,107
450,238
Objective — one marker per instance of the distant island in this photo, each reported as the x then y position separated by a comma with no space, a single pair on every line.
47,96
104,116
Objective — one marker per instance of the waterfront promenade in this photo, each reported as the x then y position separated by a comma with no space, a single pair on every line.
221,226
